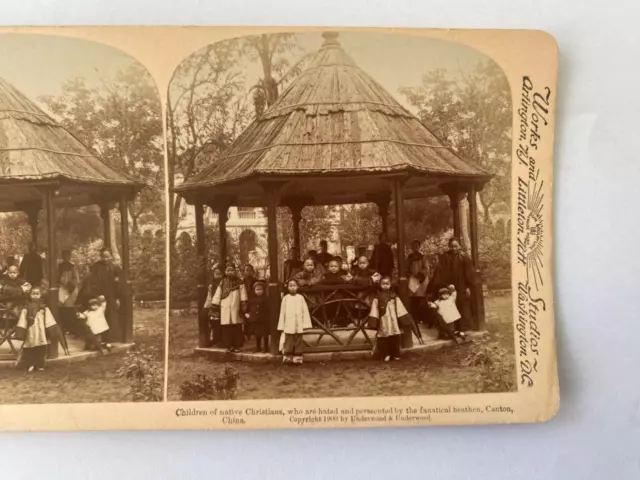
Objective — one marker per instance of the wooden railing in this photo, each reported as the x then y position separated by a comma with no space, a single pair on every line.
339,317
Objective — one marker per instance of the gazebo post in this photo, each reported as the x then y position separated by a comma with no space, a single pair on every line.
126,305
50,193
403,282
382,201
272,193
32,209
204,336
478,296
296,217
105,213
454,202
223,212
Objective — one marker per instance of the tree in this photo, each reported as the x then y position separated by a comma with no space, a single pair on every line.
274,53
120,121
207,110
473,115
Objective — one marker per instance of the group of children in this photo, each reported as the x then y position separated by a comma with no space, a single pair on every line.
36,325
239,308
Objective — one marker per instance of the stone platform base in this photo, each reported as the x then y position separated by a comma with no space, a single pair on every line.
75,355
221,355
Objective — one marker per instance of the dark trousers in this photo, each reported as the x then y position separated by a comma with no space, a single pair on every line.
293,345
68,320
447,330
216,332
389,346
232,336
262,339
112,315
417,308
34,356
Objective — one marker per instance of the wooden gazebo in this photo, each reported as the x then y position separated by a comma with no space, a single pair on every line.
43,166
334,136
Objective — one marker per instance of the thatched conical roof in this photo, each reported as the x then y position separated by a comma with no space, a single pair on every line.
333,120
36,150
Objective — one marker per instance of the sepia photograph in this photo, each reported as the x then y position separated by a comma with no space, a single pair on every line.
82,224
340,219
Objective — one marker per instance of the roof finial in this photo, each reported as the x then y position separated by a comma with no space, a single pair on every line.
330,39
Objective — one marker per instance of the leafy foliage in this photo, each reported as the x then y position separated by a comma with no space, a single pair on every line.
223,386
143,370
120,120
497,370
473,115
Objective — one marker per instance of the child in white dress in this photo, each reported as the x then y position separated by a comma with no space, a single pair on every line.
96,321
36,326
294,319
448,313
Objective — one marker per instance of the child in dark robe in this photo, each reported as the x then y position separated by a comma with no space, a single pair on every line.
258,316
387,312
14,291
36,327
335,275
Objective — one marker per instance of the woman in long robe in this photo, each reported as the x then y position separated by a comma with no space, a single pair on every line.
455,268
229,303
103,280
69,280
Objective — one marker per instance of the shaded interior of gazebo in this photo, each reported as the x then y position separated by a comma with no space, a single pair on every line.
334,136
44,167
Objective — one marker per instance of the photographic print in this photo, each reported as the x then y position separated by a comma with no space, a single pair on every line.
82,234
262,227
341,224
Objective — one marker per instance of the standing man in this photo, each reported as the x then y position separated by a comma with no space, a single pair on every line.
324,257
31,266
293,265
382,257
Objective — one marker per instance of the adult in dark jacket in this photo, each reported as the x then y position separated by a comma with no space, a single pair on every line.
455,268
382,257
31,266
103,279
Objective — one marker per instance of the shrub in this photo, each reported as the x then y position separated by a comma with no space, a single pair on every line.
223,386
497,368
144,373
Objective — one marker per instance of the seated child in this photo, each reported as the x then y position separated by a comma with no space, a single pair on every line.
386,313
258,316
363,275
36,327
294,319
448,313
96,322
13,290
309,275
334,274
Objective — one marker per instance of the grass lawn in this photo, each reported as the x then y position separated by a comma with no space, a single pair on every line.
93,380
420,373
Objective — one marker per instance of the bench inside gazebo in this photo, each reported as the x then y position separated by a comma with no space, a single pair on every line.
43,168
333,137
